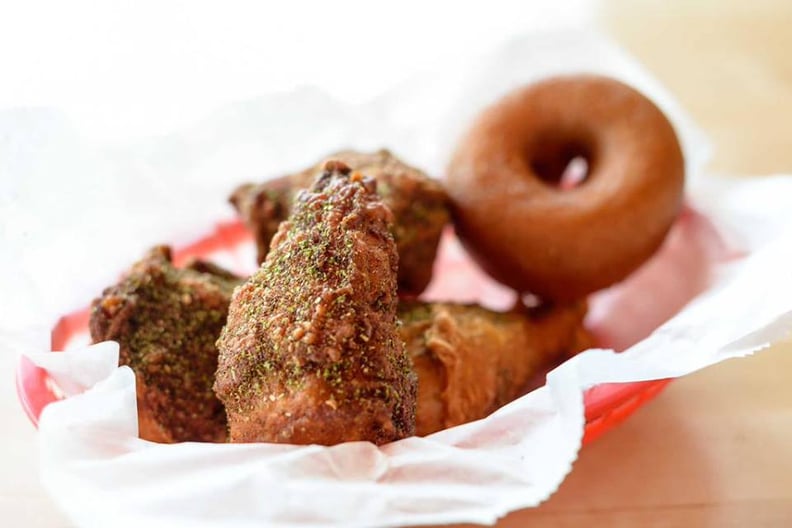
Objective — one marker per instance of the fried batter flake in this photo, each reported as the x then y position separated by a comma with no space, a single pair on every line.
419,205
166,321
311,352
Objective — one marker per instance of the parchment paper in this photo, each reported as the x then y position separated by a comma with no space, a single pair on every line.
732,247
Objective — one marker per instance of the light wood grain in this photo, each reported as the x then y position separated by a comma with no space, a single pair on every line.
714,449
728,62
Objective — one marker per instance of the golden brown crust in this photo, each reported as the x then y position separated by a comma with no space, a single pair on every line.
418,203
166,321
311,353
564,244
471,361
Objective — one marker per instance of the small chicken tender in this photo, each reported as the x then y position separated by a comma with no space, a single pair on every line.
419,205
311,352
166,321
470,361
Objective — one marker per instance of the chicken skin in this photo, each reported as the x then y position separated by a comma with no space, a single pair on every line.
419,205
166,321
471,361
311,352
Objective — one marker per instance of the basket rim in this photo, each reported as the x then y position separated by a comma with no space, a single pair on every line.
606,405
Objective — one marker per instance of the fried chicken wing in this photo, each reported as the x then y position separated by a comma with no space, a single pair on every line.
166,321
311,351
471,361
419,205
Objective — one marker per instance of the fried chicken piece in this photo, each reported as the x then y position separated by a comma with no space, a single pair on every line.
166,321
311,352
419,205
471,361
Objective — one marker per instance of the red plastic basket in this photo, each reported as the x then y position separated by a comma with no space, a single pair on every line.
607,405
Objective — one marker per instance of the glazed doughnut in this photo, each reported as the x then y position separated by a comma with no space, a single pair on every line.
561,244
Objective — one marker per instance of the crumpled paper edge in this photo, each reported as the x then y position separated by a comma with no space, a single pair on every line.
388,485
82,470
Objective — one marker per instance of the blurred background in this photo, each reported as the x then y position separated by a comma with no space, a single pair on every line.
125,70
712,450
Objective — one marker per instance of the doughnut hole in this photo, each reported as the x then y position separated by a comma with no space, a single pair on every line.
523,210
562,165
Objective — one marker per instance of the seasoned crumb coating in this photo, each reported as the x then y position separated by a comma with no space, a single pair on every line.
166,321
311,352
419,205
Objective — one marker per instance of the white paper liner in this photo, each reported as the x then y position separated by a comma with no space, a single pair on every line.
101,474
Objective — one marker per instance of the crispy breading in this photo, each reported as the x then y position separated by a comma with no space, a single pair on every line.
471,361
166,321
419,205
311,352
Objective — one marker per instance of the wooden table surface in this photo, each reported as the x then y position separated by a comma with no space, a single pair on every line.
715,449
